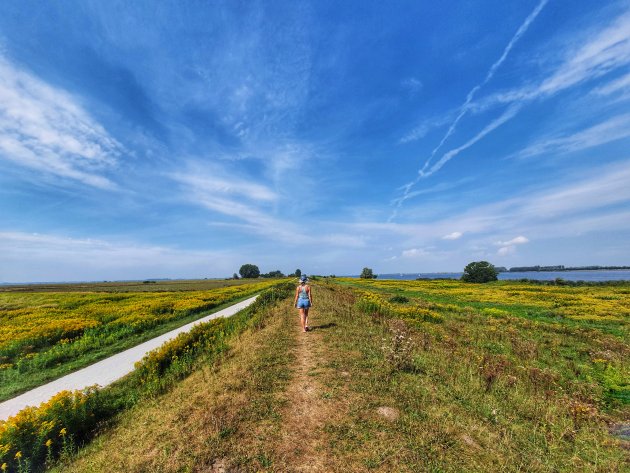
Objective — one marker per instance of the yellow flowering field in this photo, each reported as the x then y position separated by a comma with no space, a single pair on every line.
601,304
41,332
586,327
32,439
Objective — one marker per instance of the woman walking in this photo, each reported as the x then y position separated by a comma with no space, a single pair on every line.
303,301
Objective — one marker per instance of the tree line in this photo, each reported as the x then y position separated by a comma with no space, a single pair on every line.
251,271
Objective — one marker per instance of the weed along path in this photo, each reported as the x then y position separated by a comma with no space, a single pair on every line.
339,399
108,370
301,445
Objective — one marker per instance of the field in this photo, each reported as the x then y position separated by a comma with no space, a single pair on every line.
390,381
410,376
576,333
149,285
46,334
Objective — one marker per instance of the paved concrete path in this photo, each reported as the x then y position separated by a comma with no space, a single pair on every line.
108,370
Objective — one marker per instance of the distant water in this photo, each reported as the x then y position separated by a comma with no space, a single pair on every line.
594,275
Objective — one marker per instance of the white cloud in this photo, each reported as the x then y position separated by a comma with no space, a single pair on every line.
509,247
415,253
252,206
622,84
597,54
218,190
615,128
45,129
421,130
519,240
602,52
607,50
452,236
587,203
506,250
211,180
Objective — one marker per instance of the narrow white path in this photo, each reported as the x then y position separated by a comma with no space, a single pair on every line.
108,370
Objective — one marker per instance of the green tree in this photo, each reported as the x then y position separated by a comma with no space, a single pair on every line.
480,272
235,276
249,271
367,274
298,273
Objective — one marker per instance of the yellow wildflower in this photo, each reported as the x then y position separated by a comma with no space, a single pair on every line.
48,443
4,467
18,455
63,432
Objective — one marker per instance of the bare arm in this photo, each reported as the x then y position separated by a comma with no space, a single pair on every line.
297,293
310,295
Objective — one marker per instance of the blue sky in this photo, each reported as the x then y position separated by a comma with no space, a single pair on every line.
183,139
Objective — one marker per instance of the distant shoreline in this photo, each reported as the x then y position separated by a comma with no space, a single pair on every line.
587,275
524,269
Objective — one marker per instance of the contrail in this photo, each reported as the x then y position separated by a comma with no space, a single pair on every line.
509,113
465,106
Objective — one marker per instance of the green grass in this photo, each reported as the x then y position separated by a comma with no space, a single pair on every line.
477,391
226,411
532,312
14,382
474,396
156,375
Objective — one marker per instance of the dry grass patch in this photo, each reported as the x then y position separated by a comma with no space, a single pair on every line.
217,419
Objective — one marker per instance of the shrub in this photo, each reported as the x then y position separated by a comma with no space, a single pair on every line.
367,274
479,272
399,348
249,271
38,433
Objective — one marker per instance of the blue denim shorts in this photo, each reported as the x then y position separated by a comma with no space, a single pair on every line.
303,304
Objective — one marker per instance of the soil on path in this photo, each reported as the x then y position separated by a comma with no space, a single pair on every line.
303,441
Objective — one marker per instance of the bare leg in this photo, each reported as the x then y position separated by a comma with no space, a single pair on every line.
303,319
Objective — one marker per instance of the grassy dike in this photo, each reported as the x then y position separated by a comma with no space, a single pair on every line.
364,392
36,436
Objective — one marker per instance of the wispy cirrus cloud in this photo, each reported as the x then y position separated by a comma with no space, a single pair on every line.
605,51
45,129
220,191
622,84
417,252
428,169
613,129
250,207
412,85
585,204
602,52
421,130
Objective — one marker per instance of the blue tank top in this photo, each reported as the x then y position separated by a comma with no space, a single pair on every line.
303,293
